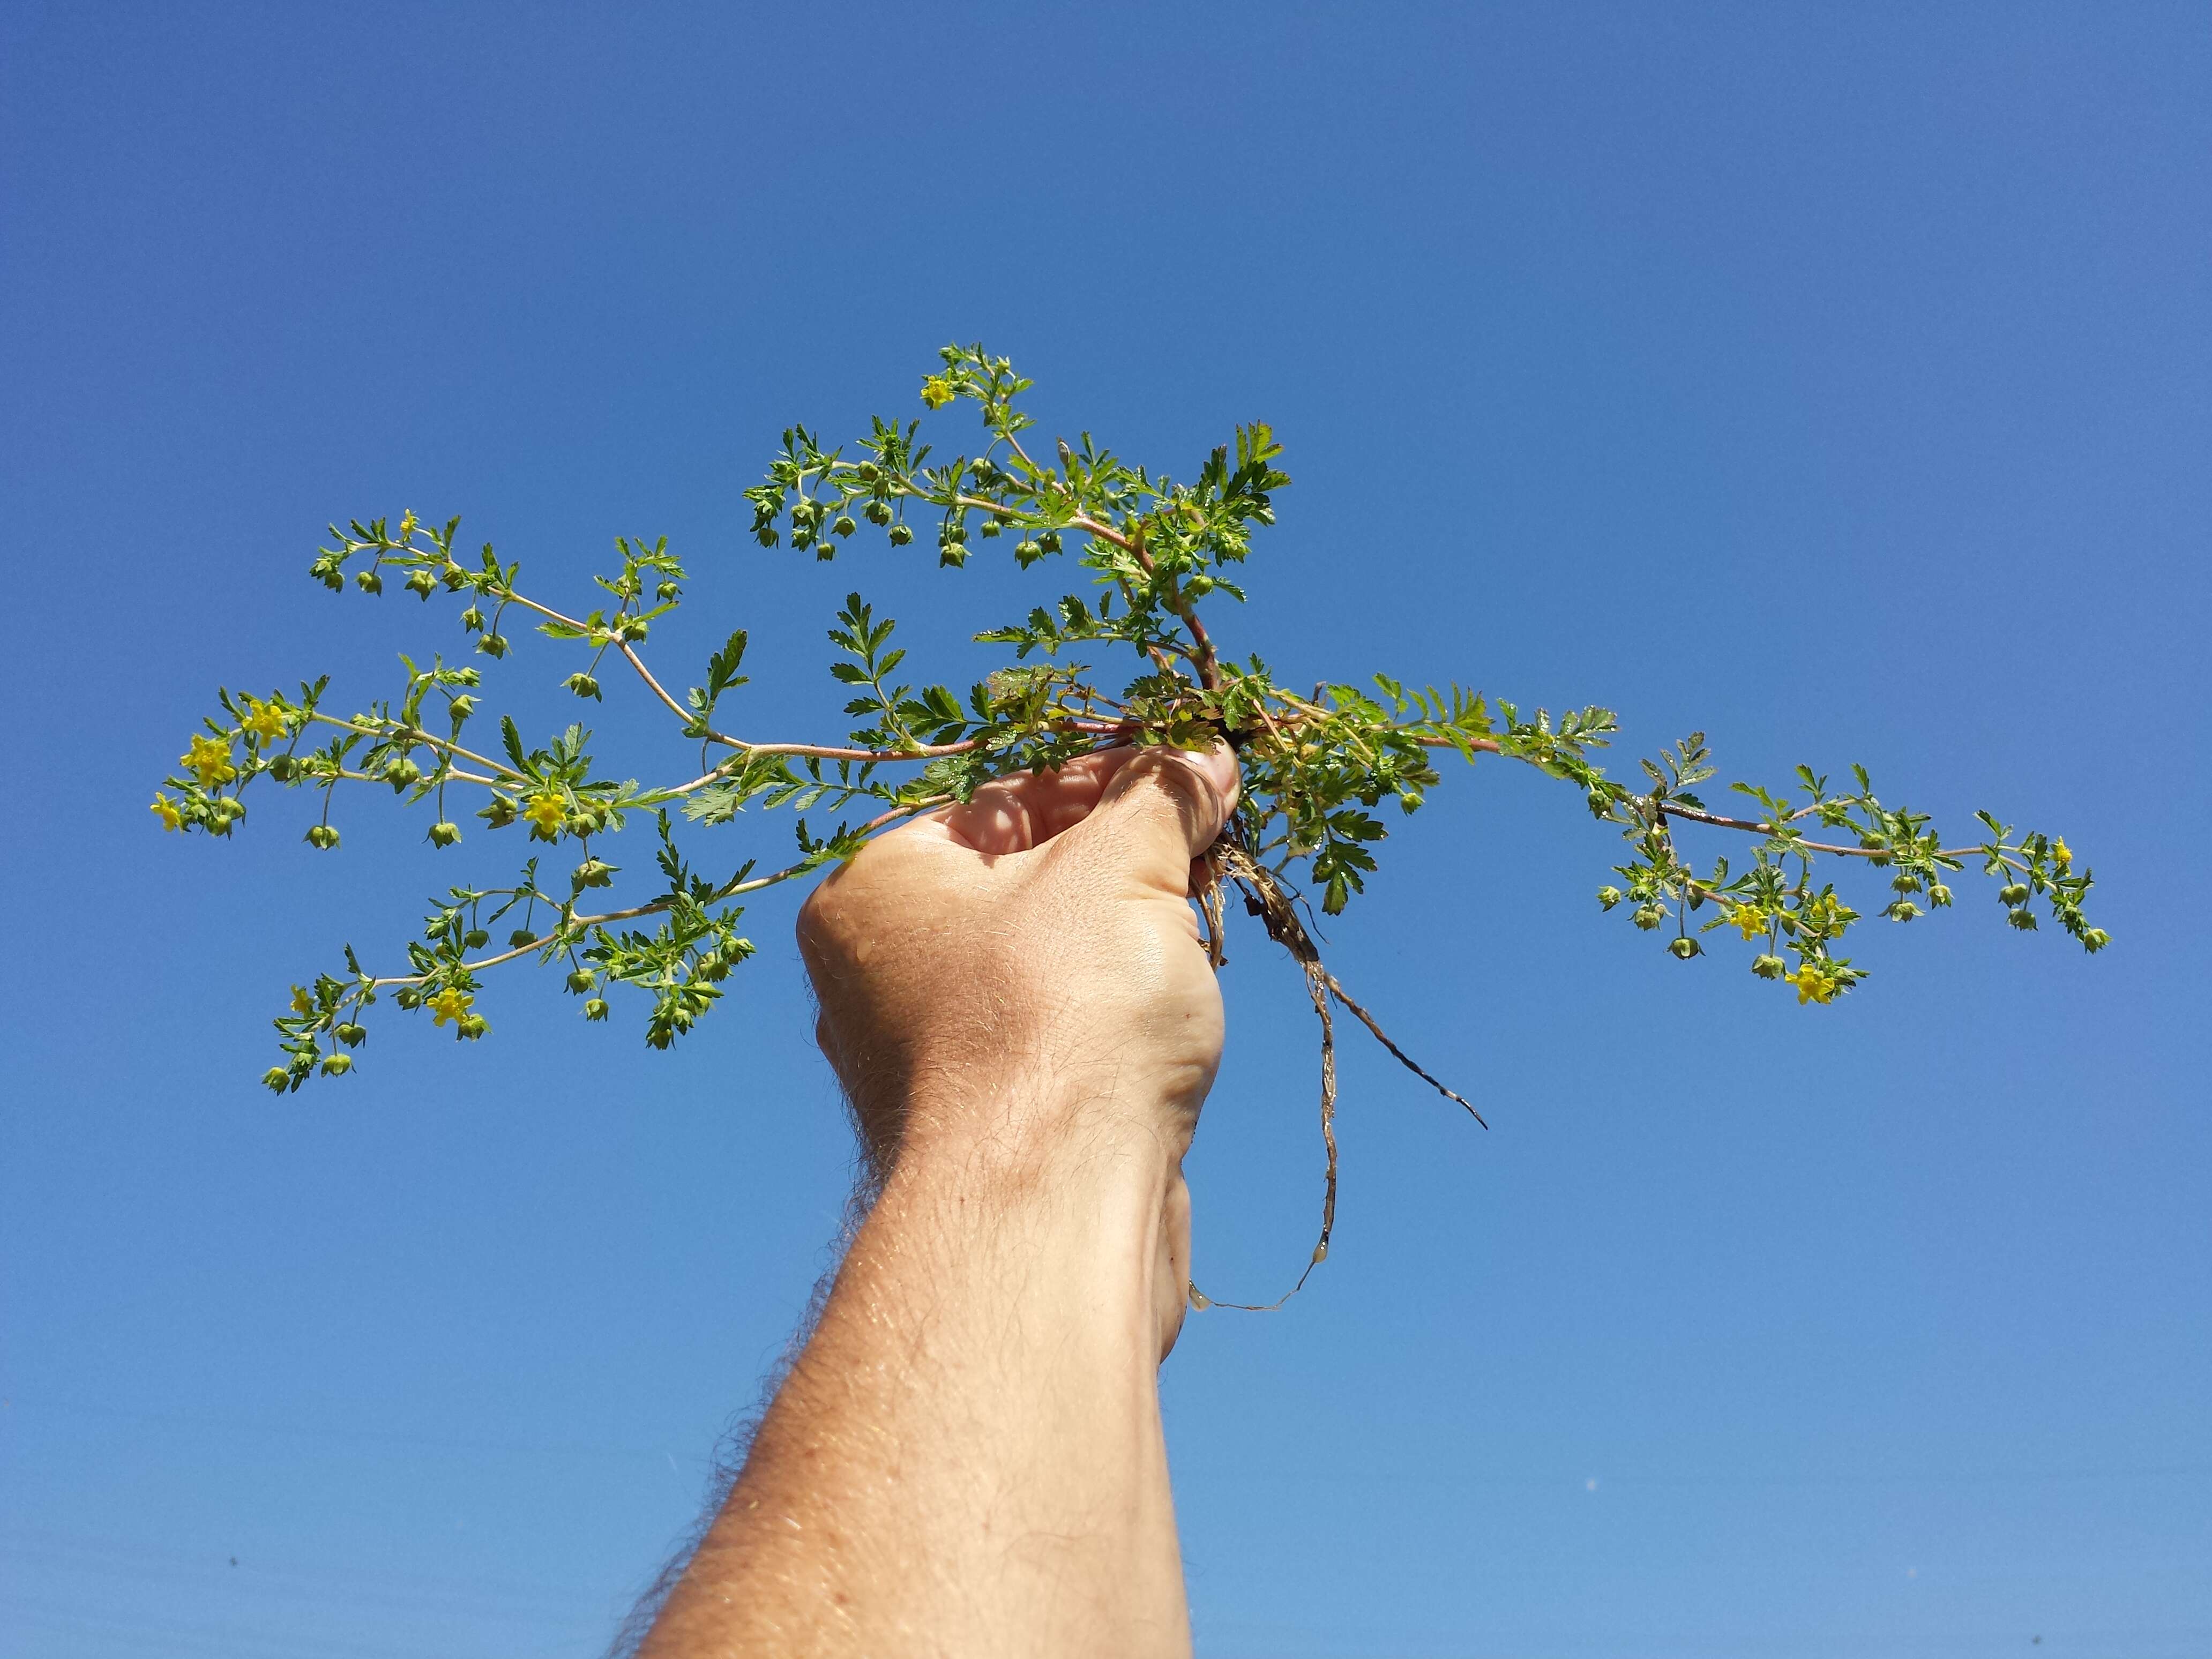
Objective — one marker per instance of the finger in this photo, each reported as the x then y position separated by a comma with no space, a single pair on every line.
1158,812
1015,813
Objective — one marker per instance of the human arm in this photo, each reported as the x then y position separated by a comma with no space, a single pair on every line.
967,1457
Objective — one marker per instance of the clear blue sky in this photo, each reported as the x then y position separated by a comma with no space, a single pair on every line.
1836,382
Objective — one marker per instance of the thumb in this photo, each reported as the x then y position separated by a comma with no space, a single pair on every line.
1162,808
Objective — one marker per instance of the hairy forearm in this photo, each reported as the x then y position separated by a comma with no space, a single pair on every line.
967,1458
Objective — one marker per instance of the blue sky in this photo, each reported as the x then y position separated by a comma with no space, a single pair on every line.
1839,384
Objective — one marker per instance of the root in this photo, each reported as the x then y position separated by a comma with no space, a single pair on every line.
1266,898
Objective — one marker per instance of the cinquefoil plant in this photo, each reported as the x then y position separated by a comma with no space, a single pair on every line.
1160,554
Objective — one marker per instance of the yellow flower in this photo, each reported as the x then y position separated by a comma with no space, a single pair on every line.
264,719
1813,984
448,1004
2062,855
1750,921
546,812
209,758
166,810
937,391
301,1003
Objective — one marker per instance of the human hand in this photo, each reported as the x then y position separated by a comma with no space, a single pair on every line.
1022,973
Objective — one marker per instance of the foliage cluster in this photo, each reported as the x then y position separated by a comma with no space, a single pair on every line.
1317,766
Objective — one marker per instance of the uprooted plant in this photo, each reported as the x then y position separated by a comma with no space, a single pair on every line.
1314,766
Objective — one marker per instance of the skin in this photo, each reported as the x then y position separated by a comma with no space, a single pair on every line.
967,1458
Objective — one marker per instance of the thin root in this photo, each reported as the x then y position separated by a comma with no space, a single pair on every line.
1266,898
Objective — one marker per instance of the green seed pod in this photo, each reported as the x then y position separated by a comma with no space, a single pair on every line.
475,940
322,837
407,996
1049,541
402,773
352,1035
1609,897
2023,918
766,535
595,1008
473,1026
444,833
471,619
336,1064
666,591
582,684
1686,947
1939,896
952,558
333,580
2095,938
1649,916
713,966
992,528
844,526
1904,882
282,767
2013,893
593,873
369,582
1769,966
581,980
877,513
901,535
493,644
1902,910
520,937
454,577
501,813
276,1078
867,472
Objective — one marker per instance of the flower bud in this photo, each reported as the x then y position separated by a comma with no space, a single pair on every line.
1686,947
276,1078
520,937
369,582
336,1064
1769,966
901,535
595,1008
353,1036
444,833
580,981
1609,897
475,940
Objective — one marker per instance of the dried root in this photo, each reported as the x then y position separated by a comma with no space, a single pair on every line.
1266,898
